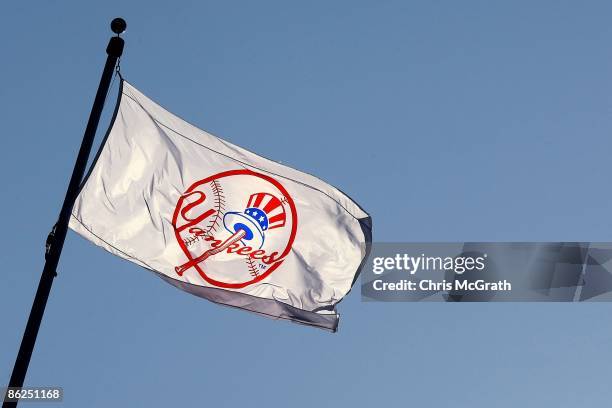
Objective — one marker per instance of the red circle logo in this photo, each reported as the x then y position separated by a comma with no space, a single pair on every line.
235,227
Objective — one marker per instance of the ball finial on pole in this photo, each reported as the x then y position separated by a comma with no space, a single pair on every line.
118,25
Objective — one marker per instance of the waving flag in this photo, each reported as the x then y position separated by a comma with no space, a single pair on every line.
218,221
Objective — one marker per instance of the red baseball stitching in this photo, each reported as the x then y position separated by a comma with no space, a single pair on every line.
219,206
214,223
191,240
253,270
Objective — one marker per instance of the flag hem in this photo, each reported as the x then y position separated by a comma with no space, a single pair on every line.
262,306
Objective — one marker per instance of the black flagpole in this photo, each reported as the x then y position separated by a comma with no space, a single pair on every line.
55,241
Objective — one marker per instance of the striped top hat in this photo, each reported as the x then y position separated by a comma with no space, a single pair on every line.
263,212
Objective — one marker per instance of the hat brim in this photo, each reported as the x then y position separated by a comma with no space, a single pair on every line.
233,221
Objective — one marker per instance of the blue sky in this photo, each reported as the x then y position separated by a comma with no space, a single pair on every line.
447,121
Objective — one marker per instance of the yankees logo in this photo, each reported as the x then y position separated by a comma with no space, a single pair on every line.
235,227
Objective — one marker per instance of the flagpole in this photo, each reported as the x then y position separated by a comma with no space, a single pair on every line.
55,241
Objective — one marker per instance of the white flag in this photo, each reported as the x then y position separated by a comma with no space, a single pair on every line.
218,221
